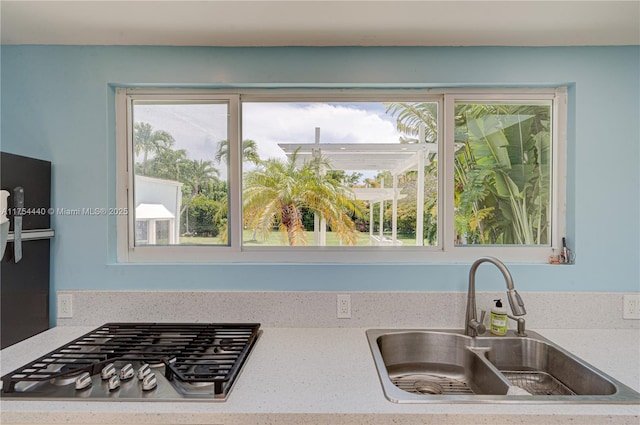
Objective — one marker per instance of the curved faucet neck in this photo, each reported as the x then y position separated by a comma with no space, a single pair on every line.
515,302
499,264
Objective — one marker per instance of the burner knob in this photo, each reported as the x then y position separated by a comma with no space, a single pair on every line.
143,371
126,372
114,383
108,371
83,381
149,382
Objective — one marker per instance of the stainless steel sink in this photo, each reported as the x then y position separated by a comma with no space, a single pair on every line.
427,366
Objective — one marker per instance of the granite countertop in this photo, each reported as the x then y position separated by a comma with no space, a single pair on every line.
327,376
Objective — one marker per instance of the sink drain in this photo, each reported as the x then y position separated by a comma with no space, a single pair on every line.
430,384
428,387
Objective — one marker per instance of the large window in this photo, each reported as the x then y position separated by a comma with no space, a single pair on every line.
340,176
340,173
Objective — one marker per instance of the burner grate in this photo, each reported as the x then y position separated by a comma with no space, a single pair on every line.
192,353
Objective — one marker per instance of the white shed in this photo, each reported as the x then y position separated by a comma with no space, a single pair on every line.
158,204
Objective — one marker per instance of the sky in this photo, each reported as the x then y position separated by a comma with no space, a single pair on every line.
199,128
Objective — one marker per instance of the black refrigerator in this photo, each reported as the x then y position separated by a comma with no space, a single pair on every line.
24,284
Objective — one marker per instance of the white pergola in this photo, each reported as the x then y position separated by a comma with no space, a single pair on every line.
396,158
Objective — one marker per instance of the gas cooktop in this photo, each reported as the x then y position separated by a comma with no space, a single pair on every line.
140,361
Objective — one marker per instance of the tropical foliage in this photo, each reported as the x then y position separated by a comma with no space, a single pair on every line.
412,118
501,181
277,192
199,177
503,173
203,214
415,120
146,140
502,170
249,152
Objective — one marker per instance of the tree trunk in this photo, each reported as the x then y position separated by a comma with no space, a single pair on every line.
291,220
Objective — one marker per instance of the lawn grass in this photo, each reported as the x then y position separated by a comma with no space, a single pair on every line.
279,239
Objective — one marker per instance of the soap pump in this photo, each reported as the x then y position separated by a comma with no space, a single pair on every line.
499,319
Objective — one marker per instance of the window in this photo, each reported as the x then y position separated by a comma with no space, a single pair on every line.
335,176
344,173
502,173
180,185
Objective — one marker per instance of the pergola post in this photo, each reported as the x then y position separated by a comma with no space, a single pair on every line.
394,215
319,223
420,190
371,222
380,229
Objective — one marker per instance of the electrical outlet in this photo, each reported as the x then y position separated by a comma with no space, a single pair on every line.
631,306
344,306
65,306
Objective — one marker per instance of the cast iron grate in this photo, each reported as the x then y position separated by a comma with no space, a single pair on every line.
191,353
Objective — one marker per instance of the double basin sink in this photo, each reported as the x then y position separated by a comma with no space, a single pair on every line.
427,366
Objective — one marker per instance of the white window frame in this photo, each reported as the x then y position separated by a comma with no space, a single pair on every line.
558,99
445,252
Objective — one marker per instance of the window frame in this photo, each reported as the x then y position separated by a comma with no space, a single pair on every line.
445,252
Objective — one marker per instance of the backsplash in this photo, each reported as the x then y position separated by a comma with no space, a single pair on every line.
545,310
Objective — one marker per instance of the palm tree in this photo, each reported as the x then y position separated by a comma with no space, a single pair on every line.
249,154
249,151
197,175
277,192
168,164
412,116
146,140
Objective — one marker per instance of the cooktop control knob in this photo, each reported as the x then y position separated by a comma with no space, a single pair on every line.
126,372
143,371
149,382
114,383
108,371
83,381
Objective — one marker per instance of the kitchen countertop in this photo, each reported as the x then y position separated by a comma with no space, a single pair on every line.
327,376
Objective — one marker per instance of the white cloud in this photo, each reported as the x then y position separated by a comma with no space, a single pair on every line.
199,128
272,123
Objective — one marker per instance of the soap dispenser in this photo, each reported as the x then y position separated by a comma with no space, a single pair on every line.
499,319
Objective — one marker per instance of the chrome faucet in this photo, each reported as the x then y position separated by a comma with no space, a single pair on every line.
473,327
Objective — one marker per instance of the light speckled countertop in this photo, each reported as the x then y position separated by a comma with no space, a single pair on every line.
327,376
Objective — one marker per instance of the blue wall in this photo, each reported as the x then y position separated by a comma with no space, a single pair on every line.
57,104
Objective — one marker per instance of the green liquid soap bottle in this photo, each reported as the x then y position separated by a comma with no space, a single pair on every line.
499,319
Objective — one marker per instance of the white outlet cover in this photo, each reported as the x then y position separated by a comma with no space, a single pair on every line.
344,306
65,306
631,306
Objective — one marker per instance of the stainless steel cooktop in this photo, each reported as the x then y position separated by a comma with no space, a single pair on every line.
140,361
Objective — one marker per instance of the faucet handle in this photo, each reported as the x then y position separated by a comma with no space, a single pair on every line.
516,303
478,326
